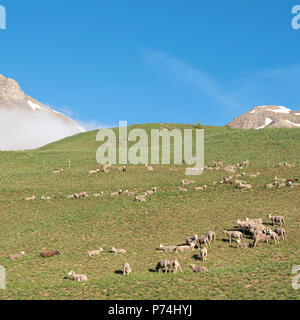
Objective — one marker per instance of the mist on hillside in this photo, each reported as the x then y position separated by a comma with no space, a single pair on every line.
21,130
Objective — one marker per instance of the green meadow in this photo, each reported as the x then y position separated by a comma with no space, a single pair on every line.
168,217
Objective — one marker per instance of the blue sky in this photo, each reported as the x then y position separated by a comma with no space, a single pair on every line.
181,61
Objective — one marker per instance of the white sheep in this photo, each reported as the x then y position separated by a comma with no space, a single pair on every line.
58,171
233,235
198,268
116,251
243,244
211,235
94,171
167,248
185,248
192,239
182,189
98,195
126,269
260,237
17,255
176,266
163,266
281,232
277,219
203,240
95,252
30,198
45,198
149,168
78,277
118,193
255,221
140,198
203,254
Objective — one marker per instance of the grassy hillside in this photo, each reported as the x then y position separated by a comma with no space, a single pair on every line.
168,217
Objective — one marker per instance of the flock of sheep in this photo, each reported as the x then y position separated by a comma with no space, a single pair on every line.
252,228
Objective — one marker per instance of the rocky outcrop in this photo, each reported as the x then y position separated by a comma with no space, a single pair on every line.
267,117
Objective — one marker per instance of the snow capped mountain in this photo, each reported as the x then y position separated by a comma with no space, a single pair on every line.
267,117
27,124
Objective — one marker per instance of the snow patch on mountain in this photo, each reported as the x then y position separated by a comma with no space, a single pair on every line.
280,109
34,106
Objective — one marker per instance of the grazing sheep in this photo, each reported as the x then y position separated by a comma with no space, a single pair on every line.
281,232
182,189
279,180
245,163
203,240
45,198
289,183
73,196
30,198
259,228
185,248
233,235
94,171
98,195
152,191
244,186
83,195
140,198
244,224
237,182
255,221
56,171
95,252
192,239
227,180
201,187
130,193
114,194
176,266
218,164
78,277
272,235
186,182
163,266
198,268
203,254
260,237
230,169
167,248
243,244
285,164
17,255
149,168
277,219
49,254
254,175
105,167
116,251
270,185
126,269
211,235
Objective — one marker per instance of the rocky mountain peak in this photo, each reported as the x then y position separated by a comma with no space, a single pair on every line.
26,123
267,117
